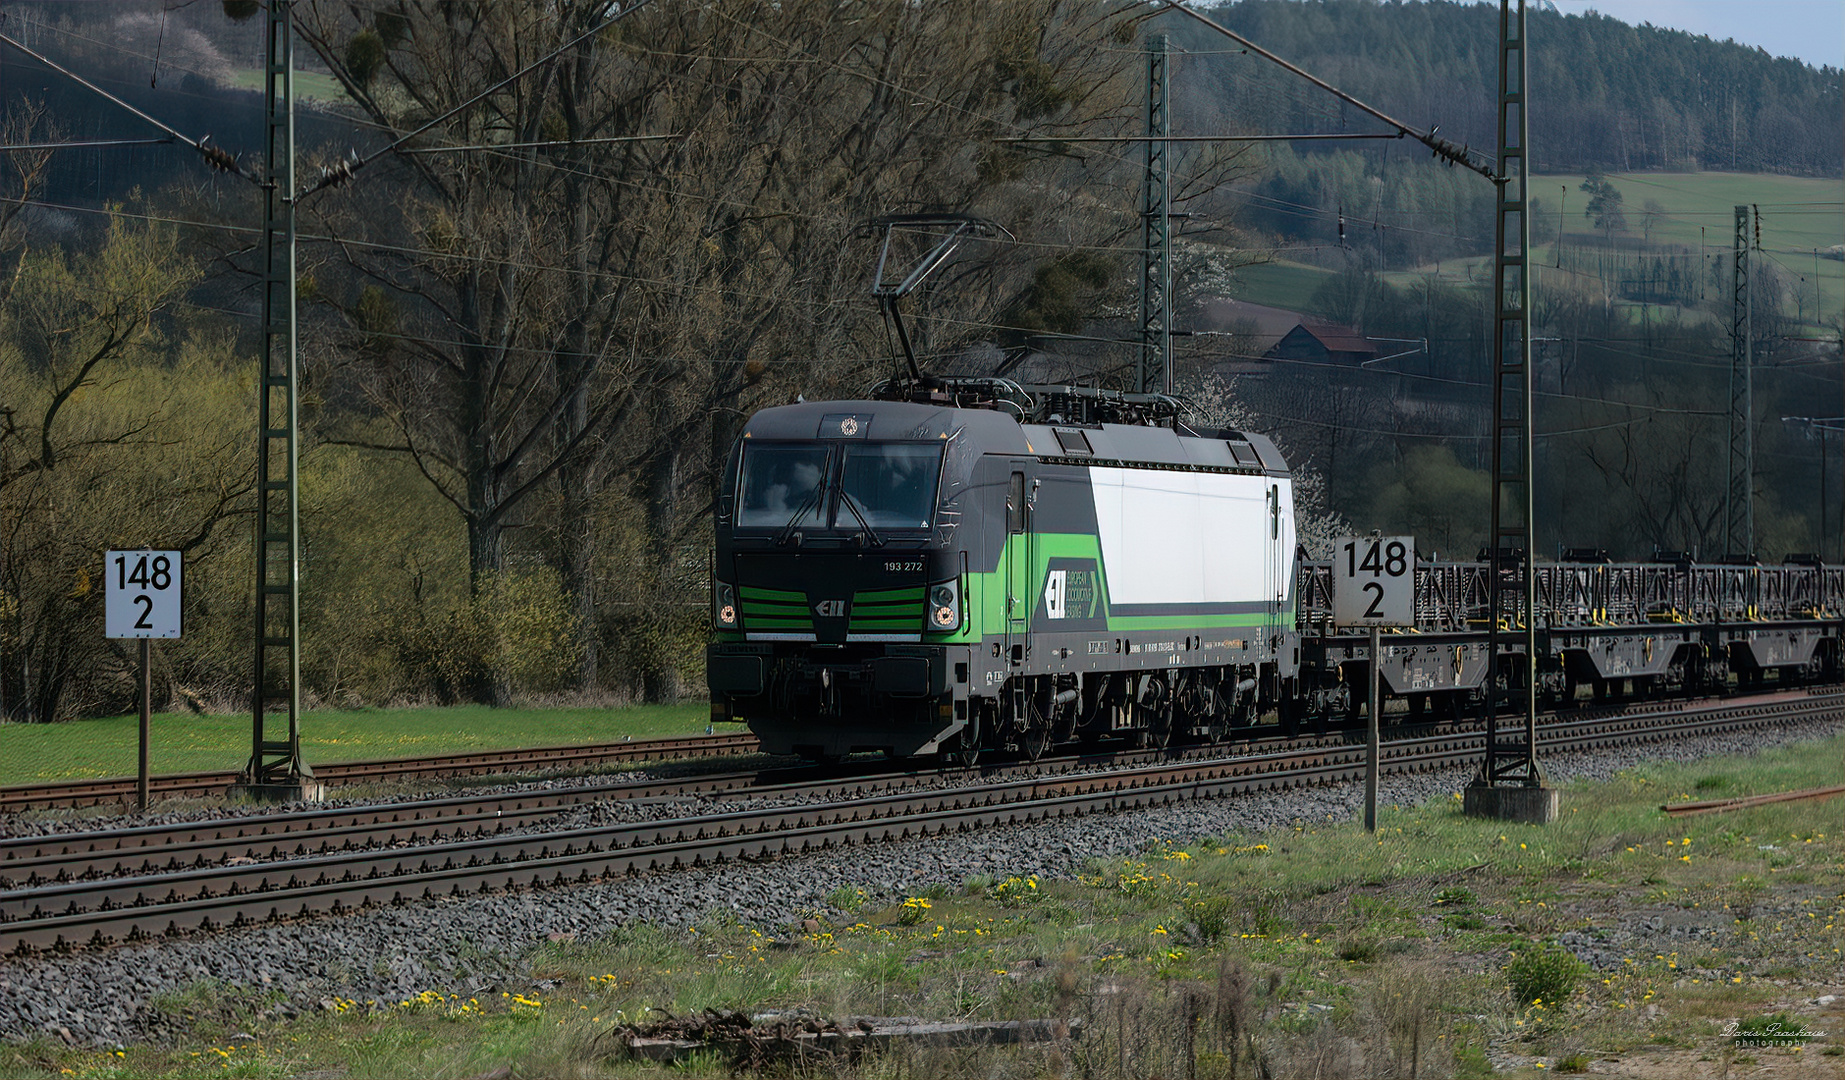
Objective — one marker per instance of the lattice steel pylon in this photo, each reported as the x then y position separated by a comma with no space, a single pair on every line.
1739,505
1156,234
1512,592
277,762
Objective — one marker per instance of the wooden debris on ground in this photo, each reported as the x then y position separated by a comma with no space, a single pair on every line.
752,1042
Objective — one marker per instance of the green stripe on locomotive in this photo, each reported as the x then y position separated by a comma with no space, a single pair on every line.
986,593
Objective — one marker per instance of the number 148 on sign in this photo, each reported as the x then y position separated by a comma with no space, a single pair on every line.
1374,581
141,594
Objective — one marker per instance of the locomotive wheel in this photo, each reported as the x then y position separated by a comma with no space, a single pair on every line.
964,751
1036,738
1158,734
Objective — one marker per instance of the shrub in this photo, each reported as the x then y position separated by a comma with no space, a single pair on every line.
1775,1029
913,911
1213,918
1017,892
1543,973
1218,917
1360,948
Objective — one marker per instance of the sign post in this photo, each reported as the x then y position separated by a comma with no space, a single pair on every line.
1374,586
142,599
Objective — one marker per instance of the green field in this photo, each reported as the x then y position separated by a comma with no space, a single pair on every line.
183,742
1279,284
1799,215
309,85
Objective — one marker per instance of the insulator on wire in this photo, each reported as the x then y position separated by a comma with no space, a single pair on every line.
336,174
218,157
1342,224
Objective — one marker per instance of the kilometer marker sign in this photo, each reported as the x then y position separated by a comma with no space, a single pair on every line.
1374,581
141,594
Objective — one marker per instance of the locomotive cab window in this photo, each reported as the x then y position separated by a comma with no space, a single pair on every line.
812,486
892,485
782,485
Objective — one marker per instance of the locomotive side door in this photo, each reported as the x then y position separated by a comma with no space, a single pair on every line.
1019,598
1274,579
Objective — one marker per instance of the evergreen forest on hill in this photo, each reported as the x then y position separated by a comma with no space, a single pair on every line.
1604,95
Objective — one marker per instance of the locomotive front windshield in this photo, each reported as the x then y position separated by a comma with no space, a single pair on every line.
848,486
782,486
892,485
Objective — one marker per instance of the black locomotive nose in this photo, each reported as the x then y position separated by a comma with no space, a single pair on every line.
831,617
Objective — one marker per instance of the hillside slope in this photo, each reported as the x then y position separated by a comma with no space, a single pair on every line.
1604,94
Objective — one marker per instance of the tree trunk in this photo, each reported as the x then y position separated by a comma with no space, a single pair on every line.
659,677
577,477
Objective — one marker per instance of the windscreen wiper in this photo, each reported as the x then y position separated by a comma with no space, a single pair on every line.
810,503
851,504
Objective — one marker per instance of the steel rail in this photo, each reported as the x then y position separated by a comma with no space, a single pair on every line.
1743,802
32,860
65,916
471,763
27,861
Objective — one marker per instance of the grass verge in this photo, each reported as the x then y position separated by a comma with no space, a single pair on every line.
1615,940
183,742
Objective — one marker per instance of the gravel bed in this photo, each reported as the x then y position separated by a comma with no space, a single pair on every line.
476,945
178,811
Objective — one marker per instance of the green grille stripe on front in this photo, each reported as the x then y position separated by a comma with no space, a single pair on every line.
875,596
773,609
873,611
888,610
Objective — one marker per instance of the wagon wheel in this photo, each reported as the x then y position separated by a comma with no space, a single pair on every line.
1289,709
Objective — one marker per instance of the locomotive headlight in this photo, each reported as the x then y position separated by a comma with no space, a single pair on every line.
945,606
724,604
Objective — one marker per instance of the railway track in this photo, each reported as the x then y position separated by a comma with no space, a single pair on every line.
253,890
171,785
28,861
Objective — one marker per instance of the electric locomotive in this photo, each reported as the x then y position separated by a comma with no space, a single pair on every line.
918,577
